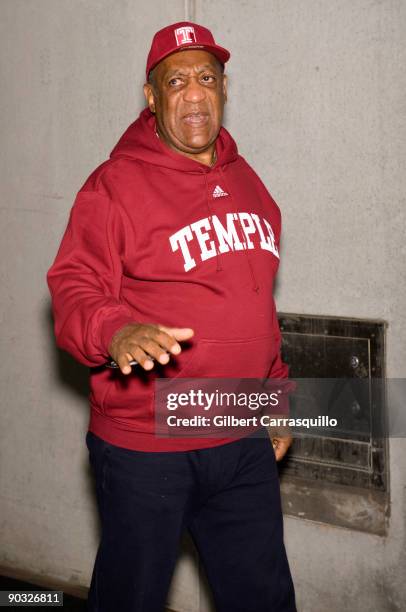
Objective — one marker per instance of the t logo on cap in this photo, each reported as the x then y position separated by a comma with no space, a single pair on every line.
185,35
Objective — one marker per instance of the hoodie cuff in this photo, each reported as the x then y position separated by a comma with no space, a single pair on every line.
112,325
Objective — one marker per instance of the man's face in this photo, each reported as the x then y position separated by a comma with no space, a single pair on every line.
188,95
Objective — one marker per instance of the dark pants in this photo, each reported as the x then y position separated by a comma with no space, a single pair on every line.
227,497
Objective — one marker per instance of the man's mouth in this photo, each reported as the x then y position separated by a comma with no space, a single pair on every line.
196,119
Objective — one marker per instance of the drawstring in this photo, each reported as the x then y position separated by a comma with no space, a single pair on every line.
218,264
255,285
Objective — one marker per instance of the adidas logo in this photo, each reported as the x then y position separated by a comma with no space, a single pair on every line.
218,192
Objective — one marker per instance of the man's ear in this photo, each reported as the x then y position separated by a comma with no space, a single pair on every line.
225,87
149,96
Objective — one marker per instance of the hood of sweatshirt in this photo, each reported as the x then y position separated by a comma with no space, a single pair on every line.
137,143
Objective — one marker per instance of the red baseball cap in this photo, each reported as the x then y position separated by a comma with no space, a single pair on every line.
179,37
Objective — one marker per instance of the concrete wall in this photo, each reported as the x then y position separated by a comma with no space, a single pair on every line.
317,106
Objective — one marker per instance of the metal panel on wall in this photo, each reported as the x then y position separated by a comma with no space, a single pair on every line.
339,363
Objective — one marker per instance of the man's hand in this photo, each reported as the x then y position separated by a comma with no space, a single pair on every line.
141,341
281,438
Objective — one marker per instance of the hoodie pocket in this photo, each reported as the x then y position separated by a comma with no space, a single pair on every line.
233,361
132,399
234,358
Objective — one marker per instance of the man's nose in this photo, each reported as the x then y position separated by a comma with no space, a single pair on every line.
194,91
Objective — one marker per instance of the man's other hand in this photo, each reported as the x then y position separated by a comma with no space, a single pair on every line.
141,341
281,438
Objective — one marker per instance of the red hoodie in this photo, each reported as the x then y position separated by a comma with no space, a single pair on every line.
156,237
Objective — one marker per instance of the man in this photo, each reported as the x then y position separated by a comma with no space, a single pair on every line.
168,260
